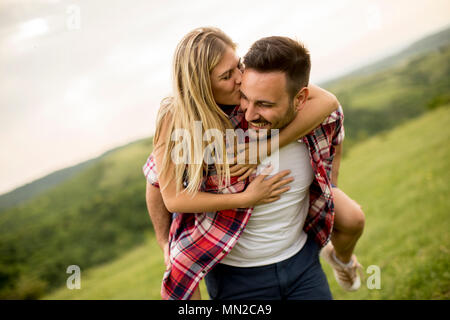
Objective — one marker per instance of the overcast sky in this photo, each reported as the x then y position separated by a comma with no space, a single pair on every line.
78,78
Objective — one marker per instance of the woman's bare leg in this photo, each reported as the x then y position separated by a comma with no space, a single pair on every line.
348,225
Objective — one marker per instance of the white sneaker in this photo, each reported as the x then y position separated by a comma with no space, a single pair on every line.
346,274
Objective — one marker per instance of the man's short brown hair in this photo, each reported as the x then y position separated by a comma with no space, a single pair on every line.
281,54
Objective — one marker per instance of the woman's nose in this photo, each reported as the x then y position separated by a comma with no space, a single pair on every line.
238,76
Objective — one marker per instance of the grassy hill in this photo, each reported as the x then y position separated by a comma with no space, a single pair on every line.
31,190
135,275
39,186
424,45
381,100
401,180
89,219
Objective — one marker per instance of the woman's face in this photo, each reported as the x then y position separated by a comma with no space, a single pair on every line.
226,79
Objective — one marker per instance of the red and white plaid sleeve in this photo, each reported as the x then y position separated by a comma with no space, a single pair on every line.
150,172
339,132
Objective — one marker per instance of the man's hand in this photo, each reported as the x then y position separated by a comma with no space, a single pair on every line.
160,217
247,160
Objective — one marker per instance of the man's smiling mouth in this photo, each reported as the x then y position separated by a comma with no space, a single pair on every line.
259,124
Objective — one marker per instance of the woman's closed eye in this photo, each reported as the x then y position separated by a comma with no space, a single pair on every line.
227,76
229,73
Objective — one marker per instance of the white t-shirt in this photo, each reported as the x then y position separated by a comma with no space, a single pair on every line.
274,231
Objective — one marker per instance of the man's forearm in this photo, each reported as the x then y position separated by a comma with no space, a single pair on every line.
160,216
319,105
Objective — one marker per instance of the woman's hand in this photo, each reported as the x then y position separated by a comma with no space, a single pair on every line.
264,190
248,159
242,170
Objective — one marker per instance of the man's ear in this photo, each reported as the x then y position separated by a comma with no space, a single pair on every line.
300,98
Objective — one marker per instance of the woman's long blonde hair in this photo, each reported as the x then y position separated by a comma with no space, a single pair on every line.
193,100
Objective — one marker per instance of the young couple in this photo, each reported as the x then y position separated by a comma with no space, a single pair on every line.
251,236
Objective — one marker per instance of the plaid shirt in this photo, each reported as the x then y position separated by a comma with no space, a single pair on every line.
198,241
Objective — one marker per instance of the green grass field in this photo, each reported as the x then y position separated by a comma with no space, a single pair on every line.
401,180
136,275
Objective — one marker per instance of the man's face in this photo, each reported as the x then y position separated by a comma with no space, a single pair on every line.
265,100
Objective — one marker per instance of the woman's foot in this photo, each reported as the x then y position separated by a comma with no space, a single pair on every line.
346,274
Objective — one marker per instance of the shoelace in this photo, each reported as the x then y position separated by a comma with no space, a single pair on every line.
351,271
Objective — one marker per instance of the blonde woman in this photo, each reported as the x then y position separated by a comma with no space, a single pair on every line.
206,82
